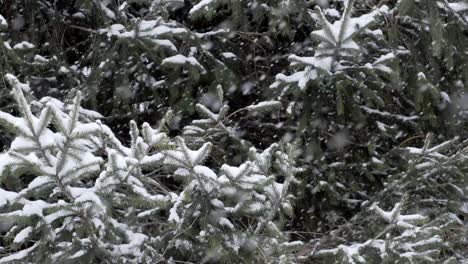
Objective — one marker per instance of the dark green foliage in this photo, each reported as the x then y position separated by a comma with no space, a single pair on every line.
367,98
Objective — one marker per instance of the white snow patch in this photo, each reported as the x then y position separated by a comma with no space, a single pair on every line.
6,196
23,46
182,60
201,5
19,255
22,235
266,105
3,23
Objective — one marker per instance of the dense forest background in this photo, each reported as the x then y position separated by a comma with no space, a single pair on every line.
232,131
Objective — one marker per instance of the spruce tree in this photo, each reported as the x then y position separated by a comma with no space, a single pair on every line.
214,131
74,192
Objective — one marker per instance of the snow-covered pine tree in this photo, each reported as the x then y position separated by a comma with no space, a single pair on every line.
347,51
236,215
364,196
349,68
223,128
257,191
353,113
408,238
167,62
432,189
73,192
156,61
54,207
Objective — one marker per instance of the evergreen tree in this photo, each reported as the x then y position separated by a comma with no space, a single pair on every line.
272,131
75,193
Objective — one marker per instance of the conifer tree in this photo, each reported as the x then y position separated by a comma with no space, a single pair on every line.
65,195
434,196
214,131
